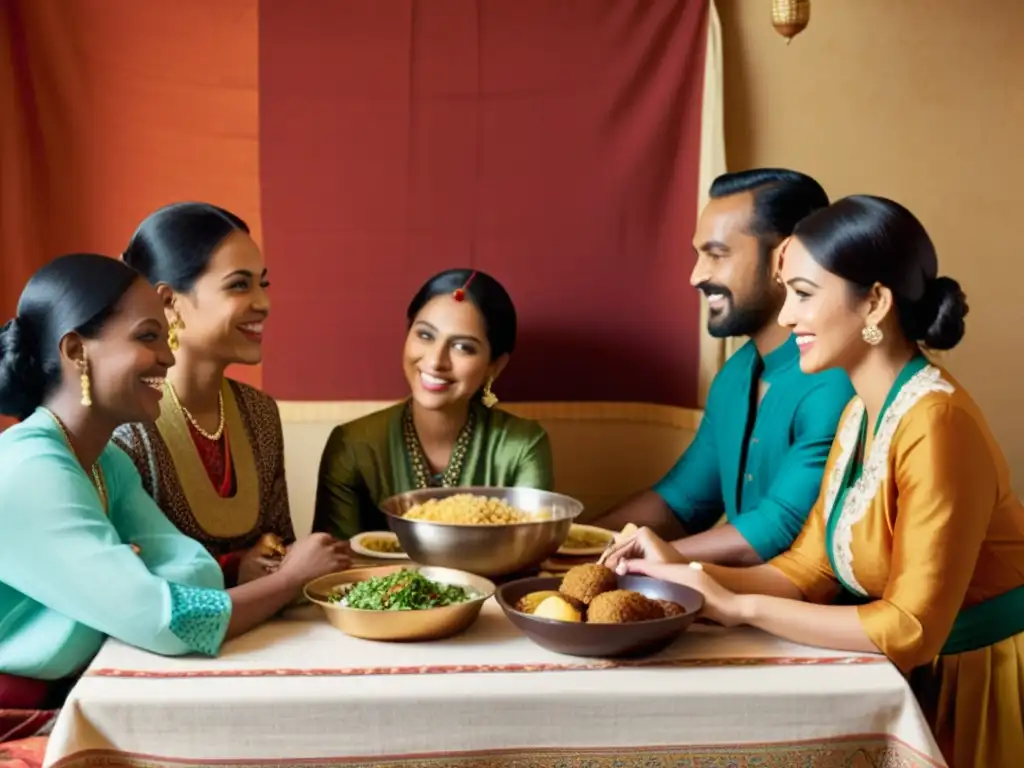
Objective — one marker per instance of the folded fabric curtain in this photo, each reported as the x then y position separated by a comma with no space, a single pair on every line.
561,146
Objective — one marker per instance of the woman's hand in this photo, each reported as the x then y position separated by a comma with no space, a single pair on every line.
255,564
720,605
271,545
313,556
640,544
263,558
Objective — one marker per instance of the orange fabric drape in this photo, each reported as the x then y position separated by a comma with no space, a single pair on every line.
111,108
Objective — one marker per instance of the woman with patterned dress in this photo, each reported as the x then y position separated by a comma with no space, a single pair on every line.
214,460
462,331
86,554
915,547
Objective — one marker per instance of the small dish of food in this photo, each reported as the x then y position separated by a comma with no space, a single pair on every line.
379,544
400,602
592,611
584,540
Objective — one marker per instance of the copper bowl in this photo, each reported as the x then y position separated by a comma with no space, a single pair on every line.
428,624
487,550
639,638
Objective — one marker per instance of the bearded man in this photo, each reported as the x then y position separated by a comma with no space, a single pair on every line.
760,451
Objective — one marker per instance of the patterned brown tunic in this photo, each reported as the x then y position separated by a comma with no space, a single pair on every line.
163,479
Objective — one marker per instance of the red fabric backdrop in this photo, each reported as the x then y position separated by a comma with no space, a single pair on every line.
553,144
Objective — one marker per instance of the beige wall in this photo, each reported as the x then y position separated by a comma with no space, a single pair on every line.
921,101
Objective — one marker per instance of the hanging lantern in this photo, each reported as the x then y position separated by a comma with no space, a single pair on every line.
790,17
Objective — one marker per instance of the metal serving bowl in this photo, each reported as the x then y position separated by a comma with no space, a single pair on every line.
487,550
641,638
429,624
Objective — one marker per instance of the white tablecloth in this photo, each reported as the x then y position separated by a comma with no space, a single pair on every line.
297,690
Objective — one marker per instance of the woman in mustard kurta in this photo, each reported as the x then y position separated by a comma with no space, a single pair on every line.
462,331
915,547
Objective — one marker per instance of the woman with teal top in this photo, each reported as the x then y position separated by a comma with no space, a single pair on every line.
462,331
85,552
915,547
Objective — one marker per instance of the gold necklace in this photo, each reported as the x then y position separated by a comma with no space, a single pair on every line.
98,478
216,434
420,465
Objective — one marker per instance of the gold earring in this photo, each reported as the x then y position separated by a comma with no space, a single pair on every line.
86,384
173,340
489,399
872,334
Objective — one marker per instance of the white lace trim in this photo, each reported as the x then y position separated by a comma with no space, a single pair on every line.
876,464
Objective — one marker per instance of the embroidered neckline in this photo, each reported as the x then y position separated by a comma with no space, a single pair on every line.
218,517
860,494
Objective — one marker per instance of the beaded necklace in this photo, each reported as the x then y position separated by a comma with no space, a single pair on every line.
421,467
212,436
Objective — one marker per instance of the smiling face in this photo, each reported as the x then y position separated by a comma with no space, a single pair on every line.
825,313
225,311
732,270
447,357
128,359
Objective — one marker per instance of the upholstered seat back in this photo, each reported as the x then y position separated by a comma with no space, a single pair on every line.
603,452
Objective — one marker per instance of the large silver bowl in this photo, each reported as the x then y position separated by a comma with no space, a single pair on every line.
486,550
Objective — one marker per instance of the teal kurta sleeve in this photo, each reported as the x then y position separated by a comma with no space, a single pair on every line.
693,487
163,549
782,512
535,466
64,553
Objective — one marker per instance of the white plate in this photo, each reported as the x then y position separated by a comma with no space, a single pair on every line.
356,542
595,550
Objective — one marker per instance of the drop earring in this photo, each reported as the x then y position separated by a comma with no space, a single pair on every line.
173,339
872,334
489,399
86,383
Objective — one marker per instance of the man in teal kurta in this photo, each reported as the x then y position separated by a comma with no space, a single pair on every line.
760,451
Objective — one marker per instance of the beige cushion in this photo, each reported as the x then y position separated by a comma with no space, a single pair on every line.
603,452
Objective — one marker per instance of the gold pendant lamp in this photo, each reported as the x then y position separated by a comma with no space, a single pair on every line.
790,17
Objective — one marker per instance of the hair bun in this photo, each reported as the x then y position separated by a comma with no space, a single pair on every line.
21,376
942,311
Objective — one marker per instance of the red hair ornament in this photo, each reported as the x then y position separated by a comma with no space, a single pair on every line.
459,294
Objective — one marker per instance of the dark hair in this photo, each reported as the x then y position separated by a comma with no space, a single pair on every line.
781,199
77,292
866,240
487,295
173,245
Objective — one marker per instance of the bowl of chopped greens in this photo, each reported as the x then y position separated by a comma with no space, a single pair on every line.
400,602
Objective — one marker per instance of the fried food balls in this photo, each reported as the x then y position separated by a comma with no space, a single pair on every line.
621,606
670,608
585,582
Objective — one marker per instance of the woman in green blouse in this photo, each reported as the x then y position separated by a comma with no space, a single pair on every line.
462,331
